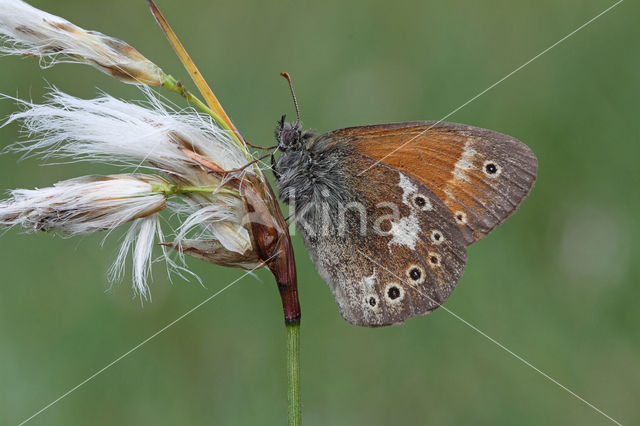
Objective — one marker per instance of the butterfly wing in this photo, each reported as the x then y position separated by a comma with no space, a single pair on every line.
480,175
395,251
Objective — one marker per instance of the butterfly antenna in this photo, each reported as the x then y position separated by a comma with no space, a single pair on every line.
293,94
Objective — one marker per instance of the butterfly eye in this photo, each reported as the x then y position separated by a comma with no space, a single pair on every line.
461,218
491,169
422,202
394,293
437,237
415,273
434,259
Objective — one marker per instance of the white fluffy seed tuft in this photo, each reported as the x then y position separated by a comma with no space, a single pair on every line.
139,240
83,205
28,31
111,131
220,219
95,203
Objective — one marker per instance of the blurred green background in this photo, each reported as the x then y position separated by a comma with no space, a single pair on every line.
557,284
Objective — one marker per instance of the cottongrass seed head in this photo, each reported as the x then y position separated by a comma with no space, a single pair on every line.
28,31
85,204
172,144
193,168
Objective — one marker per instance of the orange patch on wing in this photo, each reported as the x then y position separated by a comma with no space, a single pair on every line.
429,156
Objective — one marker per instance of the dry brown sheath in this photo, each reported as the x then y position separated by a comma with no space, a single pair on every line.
273,243
270,233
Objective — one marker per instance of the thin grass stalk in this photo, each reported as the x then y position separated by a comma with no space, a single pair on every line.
293,374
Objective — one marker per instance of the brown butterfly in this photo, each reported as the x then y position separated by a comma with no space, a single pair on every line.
386,211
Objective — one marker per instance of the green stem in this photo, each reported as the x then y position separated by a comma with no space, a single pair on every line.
203,189
293,373
174,85
169,189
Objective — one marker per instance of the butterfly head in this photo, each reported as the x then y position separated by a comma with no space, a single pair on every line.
290,136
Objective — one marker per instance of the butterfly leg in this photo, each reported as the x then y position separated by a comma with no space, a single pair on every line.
260,147
239,169
274,169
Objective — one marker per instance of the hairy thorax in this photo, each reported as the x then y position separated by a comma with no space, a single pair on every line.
313,175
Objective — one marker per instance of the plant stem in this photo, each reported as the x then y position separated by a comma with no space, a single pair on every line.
203,189
293,373
174,85
169,189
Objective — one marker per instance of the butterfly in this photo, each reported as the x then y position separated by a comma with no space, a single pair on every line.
386,211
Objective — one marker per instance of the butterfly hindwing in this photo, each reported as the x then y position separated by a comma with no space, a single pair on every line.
398,265
480,175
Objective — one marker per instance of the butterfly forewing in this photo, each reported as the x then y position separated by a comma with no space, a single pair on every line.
480,175
404,261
